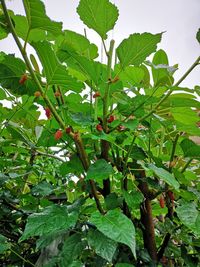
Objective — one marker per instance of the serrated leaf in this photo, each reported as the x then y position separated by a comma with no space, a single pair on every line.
52,219
190,149
136,48
117,227
37,18
132,76
99,171
55,72
99,15
103,246
165,176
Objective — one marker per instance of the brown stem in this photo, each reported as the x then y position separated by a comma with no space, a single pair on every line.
163,246
147,221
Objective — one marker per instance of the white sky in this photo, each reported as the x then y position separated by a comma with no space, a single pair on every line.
179,18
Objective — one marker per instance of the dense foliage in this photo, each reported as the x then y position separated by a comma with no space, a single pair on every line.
111,176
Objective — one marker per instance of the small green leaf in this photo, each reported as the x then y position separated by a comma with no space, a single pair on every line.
135,49
165,176
103,246
190,149
133,198
117,227
50,220
37,18
99,171
55,72
99,15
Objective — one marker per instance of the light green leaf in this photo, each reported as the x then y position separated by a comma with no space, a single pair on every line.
99,15
117,227
165,176
189,216
55,72
99,171
161,75
50,220
184,115
190,149
78,43
133,198
37,18
135,49
132,76
103,246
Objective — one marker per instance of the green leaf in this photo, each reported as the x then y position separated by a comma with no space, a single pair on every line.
132,76
135,49
161,75
11,70
165,176
4,244
23,31
198,36
133,198
189,216
99,171
2,94
37,18
124,265
99,15
103,246
117,227
55,72
52,219
71,249
78,43
190,149
184,115
73,166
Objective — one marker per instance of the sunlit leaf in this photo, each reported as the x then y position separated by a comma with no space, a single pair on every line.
99,15
136,48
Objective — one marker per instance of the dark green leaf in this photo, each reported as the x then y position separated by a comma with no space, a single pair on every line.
99,171
165,176
116,226
50,220
133,198
190,149
135,49
103,246
99,15
4,244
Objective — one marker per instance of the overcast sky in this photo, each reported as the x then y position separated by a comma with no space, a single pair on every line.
179,18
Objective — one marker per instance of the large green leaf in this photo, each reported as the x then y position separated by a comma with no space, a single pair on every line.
22,29
135,49
117,227
132,76
189,216
99,171
99,15
164,175
37,18
185,115
49,221
78,43
190,149
93,71
55,72
103,246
